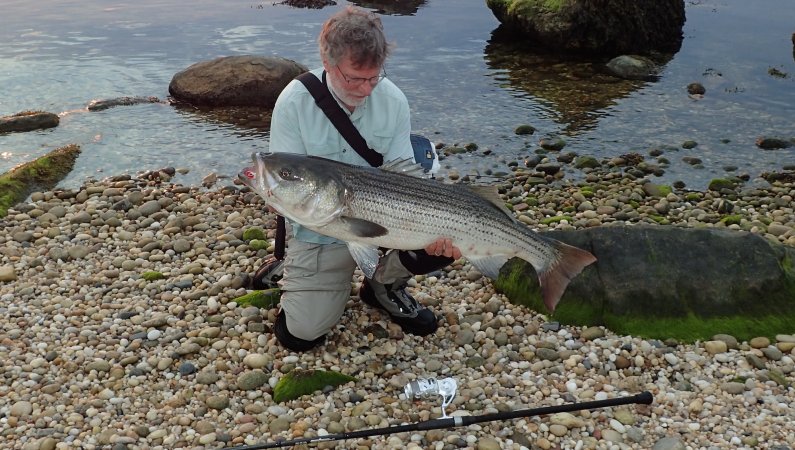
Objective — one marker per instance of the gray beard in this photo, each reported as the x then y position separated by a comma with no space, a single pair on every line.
335,91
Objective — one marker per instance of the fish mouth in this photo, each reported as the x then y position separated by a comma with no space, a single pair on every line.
247,175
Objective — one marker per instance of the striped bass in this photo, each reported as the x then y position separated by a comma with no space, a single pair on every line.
387,207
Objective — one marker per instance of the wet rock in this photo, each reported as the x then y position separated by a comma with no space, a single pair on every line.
38,175
696,89
552,143
632,67
244,80
99,105
524,130
28,121
623,26
310,4
750,282
772,143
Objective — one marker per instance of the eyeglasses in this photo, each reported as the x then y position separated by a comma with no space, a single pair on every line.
358,81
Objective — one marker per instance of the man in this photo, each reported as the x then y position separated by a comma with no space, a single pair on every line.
317,268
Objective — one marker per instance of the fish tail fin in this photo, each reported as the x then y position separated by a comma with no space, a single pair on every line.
555,278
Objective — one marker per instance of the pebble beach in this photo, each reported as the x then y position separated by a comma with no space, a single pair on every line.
93,354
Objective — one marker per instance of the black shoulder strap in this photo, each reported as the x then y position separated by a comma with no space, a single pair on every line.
339,118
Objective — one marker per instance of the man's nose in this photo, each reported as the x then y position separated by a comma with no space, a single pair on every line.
367,87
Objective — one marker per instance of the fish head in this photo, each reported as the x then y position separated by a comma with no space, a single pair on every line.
296,186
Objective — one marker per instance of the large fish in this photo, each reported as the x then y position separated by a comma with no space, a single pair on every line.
388,207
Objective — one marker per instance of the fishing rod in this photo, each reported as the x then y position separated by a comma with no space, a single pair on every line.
644,398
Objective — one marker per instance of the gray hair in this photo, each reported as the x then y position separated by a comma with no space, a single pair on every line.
355,33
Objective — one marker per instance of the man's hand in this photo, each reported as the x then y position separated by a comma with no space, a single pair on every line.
443,247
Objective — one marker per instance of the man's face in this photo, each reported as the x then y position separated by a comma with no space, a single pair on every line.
352,83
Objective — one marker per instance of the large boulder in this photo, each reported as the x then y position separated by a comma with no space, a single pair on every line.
659,281
596,26
235,81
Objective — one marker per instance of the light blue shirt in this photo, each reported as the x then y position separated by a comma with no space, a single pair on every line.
298,125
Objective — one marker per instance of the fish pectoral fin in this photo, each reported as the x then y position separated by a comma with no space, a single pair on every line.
366,257
489,265
363,228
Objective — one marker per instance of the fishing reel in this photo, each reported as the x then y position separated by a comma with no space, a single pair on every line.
429,387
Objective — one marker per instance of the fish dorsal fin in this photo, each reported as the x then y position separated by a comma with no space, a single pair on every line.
406,166
491,194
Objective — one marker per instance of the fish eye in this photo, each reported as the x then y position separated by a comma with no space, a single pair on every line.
286,174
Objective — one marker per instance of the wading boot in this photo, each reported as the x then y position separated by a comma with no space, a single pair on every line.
403,309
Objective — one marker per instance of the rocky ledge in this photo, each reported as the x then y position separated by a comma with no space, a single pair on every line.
97,353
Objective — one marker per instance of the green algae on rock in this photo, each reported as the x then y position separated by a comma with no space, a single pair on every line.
42,173
152,275
261,299
662,282
301,382
254,233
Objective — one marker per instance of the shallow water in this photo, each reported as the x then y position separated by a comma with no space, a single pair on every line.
464,84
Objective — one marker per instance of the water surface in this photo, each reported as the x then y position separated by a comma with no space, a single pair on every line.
465,84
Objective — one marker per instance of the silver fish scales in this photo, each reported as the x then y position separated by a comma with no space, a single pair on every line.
388,207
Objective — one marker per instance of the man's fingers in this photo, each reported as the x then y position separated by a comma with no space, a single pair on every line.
443,247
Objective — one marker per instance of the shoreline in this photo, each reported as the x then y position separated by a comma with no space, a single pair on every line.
95,356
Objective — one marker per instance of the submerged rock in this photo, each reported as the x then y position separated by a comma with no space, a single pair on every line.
633,67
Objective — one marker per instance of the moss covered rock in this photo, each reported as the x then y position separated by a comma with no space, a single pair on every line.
656,190
42,174
301,382
586,162
595,26
524,130
254,233
670,282
258,244
152,275
718,184
268,298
